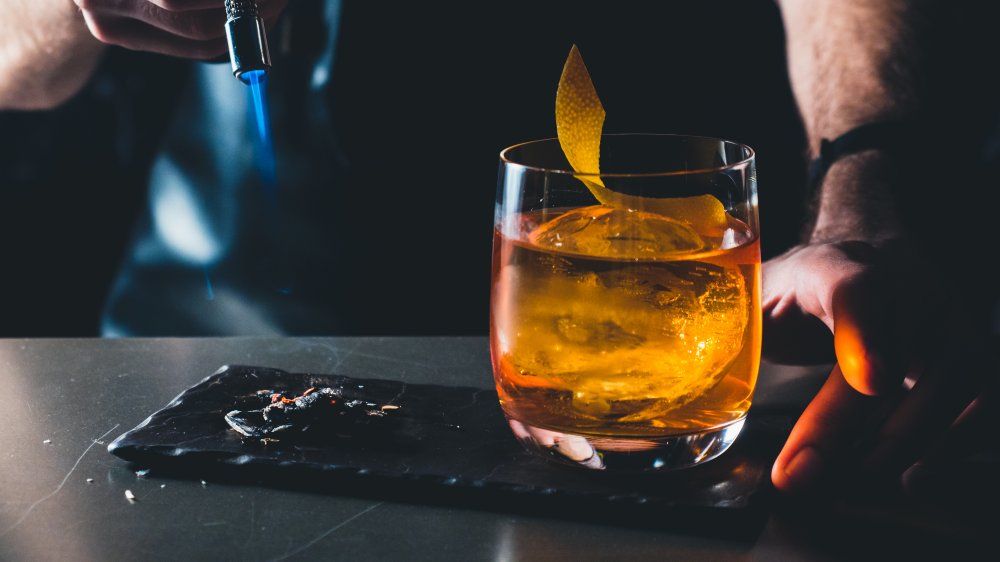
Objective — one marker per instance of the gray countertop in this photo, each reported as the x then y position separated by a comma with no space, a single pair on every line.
63,495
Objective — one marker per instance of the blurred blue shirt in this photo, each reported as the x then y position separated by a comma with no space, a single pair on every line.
219,250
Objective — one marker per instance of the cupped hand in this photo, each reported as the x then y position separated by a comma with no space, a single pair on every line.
183,28
913,381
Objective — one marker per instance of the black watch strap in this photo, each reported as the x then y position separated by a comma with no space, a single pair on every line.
878,134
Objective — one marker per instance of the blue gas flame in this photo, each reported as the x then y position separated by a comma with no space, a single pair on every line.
265,161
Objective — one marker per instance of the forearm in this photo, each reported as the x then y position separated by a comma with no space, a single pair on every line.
46,56
853,62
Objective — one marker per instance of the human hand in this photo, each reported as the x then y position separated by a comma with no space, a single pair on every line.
182,28
913,382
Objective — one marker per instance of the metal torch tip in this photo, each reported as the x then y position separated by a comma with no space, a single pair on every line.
247,38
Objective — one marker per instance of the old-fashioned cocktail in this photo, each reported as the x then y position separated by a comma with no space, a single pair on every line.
627,333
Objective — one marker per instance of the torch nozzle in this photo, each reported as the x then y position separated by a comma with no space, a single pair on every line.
247,38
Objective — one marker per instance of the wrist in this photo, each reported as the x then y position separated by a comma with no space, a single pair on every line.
858,199
40,70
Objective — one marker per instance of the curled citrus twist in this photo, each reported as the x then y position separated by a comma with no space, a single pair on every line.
579,124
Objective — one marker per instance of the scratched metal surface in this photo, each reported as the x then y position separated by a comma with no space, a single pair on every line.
62,495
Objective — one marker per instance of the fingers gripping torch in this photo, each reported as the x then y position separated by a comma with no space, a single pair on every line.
247,40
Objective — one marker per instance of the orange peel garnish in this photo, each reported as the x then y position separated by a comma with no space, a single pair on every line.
579,118
579,125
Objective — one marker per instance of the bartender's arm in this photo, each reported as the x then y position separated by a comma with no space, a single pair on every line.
55,45
910,374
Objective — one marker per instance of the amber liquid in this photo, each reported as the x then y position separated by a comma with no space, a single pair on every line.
664,345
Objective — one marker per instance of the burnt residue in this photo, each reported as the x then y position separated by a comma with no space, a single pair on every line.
315,414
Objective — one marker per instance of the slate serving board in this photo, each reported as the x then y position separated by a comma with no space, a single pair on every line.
447,445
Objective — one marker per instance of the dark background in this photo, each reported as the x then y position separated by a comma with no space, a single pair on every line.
425,96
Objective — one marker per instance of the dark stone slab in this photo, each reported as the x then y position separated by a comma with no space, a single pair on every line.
450,445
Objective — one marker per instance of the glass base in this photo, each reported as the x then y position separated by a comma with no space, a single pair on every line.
638,454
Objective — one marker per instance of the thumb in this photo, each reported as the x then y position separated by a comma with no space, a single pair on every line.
862,319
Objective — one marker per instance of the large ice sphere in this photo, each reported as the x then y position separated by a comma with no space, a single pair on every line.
611,232
624,311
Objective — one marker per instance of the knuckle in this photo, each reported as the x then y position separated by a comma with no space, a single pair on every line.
89,5
204,29
196,26
102,31
170,5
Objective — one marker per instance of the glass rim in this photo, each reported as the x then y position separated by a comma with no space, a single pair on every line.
750,155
